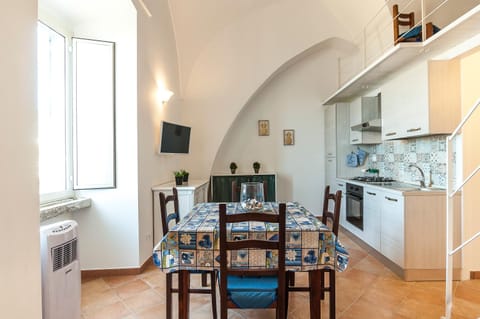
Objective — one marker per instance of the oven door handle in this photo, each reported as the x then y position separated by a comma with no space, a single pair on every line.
354,196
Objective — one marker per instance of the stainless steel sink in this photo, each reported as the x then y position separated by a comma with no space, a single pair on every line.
432,189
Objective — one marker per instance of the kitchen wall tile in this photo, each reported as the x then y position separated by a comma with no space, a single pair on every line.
393,158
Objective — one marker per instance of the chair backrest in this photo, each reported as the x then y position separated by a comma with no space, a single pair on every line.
334,214
401,19
236,190
277,242
167,217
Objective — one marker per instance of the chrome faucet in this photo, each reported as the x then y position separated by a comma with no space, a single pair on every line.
422,180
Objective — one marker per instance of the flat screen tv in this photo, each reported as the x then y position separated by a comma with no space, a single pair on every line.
174,138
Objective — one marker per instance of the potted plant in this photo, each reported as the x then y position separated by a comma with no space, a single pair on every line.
233,167
256,167
185,175
178,177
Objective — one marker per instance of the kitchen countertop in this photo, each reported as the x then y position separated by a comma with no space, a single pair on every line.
402,188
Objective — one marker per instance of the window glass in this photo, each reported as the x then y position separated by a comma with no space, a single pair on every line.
51,111
94,113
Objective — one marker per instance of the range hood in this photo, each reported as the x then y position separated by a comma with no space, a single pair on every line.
371,114
374,125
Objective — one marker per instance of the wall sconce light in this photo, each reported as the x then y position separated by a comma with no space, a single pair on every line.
164,95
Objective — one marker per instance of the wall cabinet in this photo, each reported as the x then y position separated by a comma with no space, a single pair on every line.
361,137
424,99
222,185
188,195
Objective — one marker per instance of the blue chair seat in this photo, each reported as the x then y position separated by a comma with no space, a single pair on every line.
416,33
252,292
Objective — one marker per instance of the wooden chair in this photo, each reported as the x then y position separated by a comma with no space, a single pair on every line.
236,190
331,219
252,288
408,20
167,218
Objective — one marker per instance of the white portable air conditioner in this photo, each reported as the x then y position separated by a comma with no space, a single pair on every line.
61,282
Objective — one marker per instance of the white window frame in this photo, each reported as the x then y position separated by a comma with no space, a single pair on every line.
47,198
70,147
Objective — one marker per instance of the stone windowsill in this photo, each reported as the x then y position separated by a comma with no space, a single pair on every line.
54,209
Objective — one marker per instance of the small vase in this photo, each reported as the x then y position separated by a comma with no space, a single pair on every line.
256,170
232,170
178,180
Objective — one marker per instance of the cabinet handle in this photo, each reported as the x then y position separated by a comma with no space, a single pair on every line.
341,185
370,193
391,134
414,129
391,199
355,140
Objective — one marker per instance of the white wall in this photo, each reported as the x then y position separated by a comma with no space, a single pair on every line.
157,66
20,288
108,230
290,100
237,61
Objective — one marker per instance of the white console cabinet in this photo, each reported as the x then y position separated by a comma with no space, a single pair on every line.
196,191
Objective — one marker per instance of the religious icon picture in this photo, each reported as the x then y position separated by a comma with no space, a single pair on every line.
288,137
263,128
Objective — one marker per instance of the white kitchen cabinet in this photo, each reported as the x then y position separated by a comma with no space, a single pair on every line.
340,185
188,195
337,144
330,171
392,227
330,131
330,144
372,216
424,99
361,137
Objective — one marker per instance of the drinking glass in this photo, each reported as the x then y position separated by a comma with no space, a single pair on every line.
251,195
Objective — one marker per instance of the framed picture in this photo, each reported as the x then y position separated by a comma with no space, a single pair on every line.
263,128
288,137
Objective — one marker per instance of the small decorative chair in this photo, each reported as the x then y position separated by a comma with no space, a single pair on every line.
413,34
167,218
331,218
242,287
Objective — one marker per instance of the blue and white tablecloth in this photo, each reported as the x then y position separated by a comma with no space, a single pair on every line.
193,244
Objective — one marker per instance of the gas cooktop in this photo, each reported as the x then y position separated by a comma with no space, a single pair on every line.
373,179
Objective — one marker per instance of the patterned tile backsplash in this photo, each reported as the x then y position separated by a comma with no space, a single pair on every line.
393,157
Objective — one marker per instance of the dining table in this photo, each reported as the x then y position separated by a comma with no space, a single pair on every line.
193,244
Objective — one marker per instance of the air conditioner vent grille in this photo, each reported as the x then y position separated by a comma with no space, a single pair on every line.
64,254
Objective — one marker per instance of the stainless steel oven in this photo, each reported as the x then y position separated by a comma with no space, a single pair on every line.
354,205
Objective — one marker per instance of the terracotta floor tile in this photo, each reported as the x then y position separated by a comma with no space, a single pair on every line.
99,299
131,288
116,281
144,299
113,311
367,290
155,312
